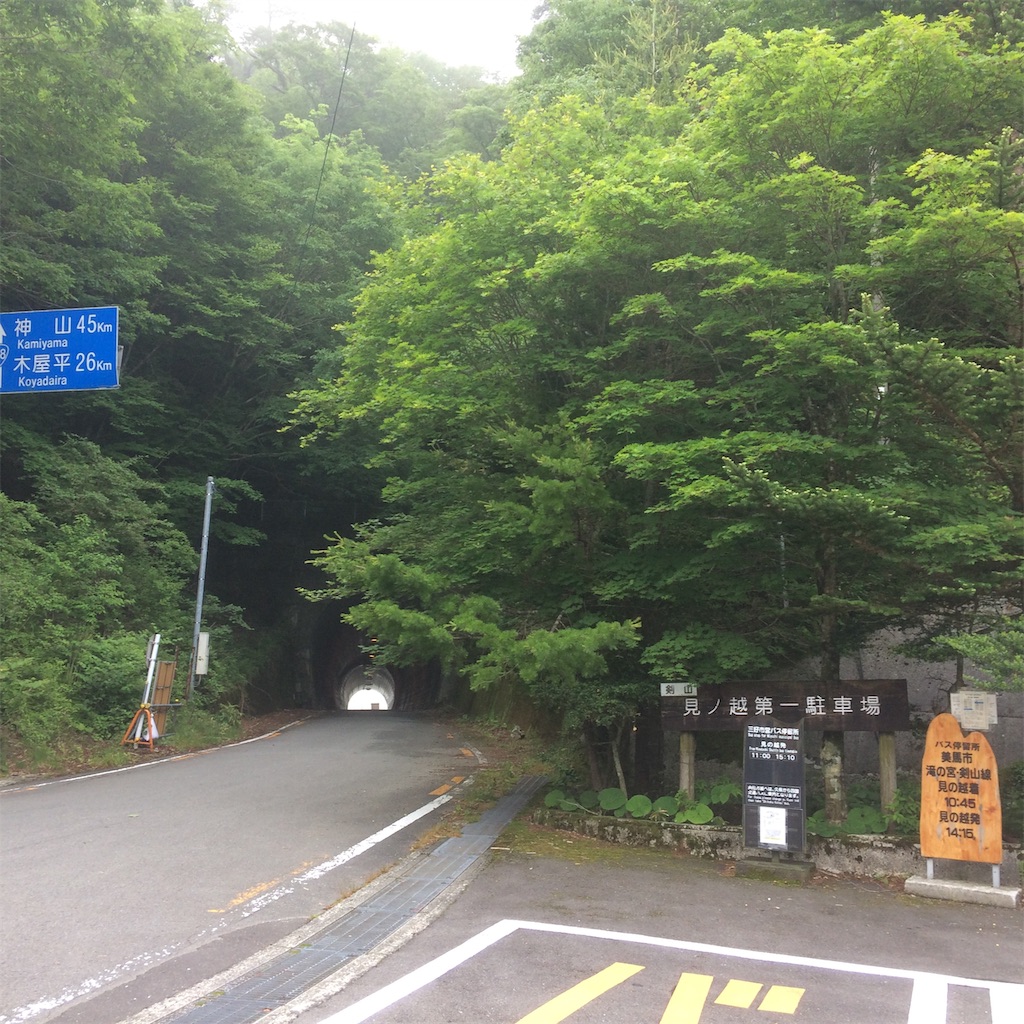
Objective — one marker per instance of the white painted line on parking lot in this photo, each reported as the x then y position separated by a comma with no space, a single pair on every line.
436,968
927,1002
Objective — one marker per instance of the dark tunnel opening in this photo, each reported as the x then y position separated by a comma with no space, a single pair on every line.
348,677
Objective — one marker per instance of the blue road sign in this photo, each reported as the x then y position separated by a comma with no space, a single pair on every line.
58,350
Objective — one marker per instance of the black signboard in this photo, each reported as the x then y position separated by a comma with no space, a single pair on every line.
773,785
865,705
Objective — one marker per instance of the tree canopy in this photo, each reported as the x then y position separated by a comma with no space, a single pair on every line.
693,351
658,395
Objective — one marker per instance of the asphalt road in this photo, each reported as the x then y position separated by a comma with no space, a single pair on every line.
195,862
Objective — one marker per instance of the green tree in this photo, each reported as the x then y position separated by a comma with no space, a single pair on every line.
402,104
998,653
620,372
230,254
73,214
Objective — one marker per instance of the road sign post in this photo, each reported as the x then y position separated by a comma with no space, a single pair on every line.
59,350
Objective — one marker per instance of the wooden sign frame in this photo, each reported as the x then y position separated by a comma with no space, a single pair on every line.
852,705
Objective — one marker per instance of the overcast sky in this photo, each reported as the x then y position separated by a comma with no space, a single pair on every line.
481,33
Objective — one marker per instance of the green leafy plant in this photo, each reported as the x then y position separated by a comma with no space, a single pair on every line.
665,807
719,793
695,812
865,820
903,815
819,825
612,799
862,820
639,806
679,807
700,810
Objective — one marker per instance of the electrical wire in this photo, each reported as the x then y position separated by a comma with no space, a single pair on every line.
320,181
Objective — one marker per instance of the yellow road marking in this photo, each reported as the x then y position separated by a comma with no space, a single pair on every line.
578,996
687,1002
739,993
256,890
244,897
441,790
781,999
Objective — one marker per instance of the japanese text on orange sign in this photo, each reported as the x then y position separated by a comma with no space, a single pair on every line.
961,818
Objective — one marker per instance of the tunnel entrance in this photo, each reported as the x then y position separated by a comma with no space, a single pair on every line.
345,670
365,688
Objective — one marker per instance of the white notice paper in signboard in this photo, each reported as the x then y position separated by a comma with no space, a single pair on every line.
973,709
772,826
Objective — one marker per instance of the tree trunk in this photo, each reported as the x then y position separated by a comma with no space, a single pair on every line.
596,775
832,776
618,760
688,763
831,742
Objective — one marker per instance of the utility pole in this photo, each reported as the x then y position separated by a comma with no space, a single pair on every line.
210,488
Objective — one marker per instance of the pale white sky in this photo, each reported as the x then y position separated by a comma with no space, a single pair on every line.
481,33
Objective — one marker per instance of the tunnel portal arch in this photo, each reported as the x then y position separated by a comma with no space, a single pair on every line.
365,677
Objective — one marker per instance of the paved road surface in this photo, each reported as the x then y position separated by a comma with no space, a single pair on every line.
656,939
202,858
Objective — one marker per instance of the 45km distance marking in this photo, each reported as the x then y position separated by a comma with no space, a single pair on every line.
58,350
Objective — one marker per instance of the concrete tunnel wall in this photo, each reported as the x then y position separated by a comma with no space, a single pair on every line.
340,666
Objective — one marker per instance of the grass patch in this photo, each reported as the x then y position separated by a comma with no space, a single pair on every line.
197,729
67,754
526,838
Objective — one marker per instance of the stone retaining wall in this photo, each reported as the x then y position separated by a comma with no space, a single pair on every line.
871,856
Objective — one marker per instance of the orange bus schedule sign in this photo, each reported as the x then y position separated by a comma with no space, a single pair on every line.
961,818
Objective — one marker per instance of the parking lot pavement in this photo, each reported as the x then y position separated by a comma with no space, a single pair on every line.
638,936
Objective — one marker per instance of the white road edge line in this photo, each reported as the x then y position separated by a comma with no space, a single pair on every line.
929,989
27,787
22,1014
313,873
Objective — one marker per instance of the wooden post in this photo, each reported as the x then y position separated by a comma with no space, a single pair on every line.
887,767
688,763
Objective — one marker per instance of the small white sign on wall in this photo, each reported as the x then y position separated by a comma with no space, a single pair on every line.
973,709
772,825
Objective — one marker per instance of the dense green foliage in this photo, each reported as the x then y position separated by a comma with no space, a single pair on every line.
702,358
691,388
233,235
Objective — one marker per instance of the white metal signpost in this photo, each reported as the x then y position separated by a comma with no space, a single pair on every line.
58,350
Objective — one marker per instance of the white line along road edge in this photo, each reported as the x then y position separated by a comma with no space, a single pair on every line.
22,1014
